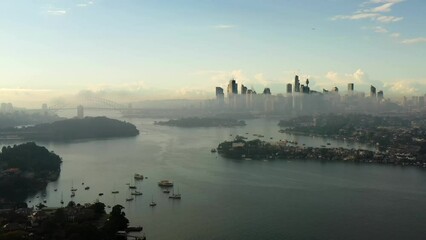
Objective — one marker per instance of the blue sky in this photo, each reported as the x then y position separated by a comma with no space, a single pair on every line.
147,49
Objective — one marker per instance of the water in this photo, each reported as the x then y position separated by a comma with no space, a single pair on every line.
229,199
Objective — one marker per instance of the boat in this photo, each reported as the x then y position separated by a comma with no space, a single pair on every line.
101,194
138,176
165,183
129,199
166,190
213,150
86,188
72,194
175,195
115,192
55,190
132,186
136,193
152,203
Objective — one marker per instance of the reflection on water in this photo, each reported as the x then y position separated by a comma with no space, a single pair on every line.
229,199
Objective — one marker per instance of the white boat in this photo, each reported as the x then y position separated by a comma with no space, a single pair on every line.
175,195
165,183
136,193
138,176
152,204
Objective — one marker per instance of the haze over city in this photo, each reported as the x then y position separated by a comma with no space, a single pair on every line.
141,50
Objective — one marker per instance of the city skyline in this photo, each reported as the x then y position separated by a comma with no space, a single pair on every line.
158,50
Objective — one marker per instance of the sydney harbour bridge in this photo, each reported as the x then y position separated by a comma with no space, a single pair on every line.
90,103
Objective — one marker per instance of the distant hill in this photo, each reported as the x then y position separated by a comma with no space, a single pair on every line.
73,129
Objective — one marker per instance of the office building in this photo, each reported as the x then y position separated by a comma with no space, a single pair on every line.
296,84
372,91
289,88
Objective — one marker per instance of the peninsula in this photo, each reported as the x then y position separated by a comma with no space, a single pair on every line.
26,169
73,129
203,122
261,150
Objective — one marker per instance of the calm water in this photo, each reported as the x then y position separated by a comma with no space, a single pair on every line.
228,199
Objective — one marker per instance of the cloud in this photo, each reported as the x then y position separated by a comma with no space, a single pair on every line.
56,12
414,40
224,26
86,4
389,19
380,29
373,13
395,35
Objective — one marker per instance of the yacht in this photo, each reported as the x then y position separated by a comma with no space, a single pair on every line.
138,176
152,204
175,195
165,183
136,193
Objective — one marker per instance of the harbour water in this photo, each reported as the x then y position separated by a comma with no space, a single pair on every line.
230,199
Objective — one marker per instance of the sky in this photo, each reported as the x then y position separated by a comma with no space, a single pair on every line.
128,50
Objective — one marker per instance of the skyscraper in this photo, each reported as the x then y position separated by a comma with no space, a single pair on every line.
267,91
243,89
350,87
296,84
372,91
220,96
232,88
289,88
380,95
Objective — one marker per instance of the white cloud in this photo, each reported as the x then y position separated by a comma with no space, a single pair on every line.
414,40
224,26
56,12
380,29
85,4
389,19
395,35
374,13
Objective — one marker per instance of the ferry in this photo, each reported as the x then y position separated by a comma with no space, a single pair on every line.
165,183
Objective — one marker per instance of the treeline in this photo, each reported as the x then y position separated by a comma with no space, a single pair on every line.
25,169
72,129
29,157
203,122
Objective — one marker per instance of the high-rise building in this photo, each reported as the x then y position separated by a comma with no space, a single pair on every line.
380,95
232,88
372,91
350,87
220,96
243,89
289,88
267,91
296,84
